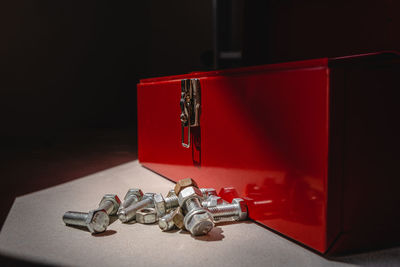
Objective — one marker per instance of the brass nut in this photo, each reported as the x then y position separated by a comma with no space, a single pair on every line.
181,184
178,218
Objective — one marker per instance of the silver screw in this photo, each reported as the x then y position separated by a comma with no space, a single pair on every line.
110,203
129,213
95,220
166,223
132,196
236,211
207,192
198,221
212,201
162,204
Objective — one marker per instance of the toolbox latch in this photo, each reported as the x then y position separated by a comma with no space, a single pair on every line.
190,107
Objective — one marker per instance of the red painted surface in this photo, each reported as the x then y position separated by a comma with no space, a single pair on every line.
265,131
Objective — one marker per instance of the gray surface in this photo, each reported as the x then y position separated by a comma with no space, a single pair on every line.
34,231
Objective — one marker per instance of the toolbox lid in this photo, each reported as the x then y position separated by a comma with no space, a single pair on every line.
312,63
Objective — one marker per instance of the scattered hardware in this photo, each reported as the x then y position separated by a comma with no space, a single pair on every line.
186,207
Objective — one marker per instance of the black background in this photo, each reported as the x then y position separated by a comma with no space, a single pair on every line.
69,69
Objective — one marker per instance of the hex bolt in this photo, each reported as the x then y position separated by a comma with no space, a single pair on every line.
236,211
212,201
207,192
110,203
162,204
129,213
132,196
198,221
166,223
95,220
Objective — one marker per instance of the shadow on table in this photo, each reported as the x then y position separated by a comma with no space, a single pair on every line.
11,261
29,165
385,257
214,235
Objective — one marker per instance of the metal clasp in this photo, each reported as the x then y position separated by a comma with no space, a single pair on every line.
190,107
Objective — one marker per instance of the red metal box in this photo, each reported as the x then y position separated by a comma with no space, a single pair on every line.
313,146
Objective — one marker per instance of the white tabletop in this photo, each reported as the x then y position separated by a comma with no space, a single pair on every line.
34,231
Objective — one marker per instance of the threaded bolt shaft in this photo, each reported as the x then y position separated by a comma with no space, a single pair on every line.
166,222
171,202
235,211
129,213
129,201
95,220
191,204
75,218
224,210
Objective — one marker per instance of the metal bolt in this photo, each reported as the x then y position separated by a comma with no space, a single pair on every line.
207,192
132,196
110,203
162,204
171,193
236,211
212,201
198,221
166,223
95,220
183,183
129,213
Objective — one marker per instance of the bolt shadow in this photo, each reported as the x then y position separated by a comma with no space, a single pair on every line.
214,235
83,228
130,222
173,231
105,233
234,222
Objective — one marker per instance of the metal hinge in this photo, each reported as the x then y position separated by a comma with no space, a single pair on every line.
190,107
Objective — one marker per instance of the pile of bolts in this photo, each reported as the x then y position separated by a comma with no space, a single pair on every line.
186,207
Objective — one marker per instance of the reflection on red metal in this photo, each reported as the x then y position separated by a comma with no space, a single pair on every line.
228,193
301,142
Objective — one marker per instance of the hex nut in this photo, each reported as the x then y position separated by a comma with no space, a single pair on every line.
97,221
181,184
188,193
114,199
178,218
159,205
243,208
146,216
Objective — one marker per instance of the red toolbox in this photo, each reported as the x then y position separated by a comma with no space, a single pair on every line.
313,146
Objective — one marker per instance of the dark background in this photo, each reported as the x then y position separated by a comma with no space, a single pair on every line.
69,69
